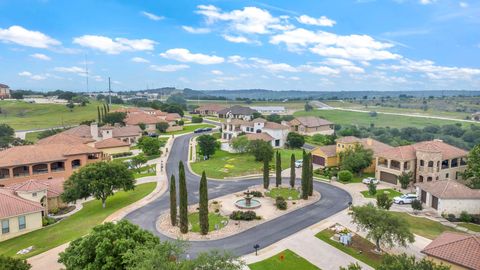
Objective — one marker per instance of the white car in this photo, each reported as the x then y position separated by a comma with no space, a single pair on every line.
370,179
298,163
405,198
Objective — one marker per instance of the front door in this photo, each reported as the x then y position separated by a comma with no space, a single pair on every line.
434,202
423,196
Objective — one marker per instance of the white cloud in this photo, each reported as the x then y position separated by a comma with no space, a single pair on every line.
25,74
184,55
322,21
169,68
152,16
193,30
320,70
237,39
32,76
139,60
217,72
41,56
463,4
114,46
427,2
337,62
73,69
19,35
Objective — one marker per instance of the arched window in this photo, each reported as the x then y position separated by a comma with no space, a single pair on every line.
4,173
430,164
422,163
259,131
40,168
76,163
57,166
20,171
429,179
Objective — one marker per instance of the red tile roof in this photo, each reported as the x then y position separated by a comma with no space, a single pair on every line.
64,138
12,205
408,152
450,189
456,248
259,136
110,143
141,117
312,121
210,107
329,150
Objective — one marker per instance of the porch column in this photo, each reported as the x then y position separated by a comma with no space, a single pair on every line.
30,170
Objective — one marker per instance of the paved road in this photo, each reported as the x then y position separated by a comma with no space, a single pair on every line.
332,201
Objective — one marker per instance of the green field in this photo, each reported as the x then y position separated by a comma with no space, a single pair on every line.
381,120
213,219
423,226
74,226
225,164
284,192
285,260
21,115
471,226
390,192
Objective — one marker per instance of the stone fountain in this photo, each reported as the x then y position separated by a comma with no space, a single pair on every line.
248,202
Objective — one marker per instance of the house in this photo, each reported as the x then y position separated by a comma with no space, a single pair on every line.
427,161
457,250
449,197
257,129
112,146
44,161
311,125
269,109
18,215
329,155
45,192
209,109
151,118
129,134
237,112
4,91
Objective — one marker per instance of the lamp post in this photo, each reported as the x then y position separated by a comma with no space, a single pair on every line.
256,247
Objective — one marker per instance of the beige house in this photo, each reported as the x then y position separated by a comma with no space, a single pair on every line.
428,161
4,91
112,146
237,112
18,215
94,133
209,109
311,125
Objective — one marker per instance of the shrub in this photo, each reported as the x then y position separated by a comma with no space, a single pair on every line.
451,217
243,215
180,122
197,119
465,217
48,221
345,176
281,203
417,205
372,188
257,193
383,201
123,154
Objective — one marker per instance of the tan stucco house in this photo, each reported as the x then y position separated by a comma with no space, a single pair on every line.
209,109
4,91
311,125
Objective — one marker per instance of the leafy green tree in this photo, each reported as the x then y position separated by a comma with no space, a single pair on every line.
278,170
292,171
138,161
372,188
114,118
356,159
383,201
240,144
266,174
295,140
173,201
345,176
107,246
308,107
183,209
417,206
150,146
381,226
203,205
162,127
207,145
261,150
10,263
197,119
216,260
352,266
70,105
405,179
472,173
142,126
6,135
405,262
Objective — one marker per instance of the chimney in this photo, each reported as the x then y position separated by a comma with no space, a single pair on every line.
94,130
369,141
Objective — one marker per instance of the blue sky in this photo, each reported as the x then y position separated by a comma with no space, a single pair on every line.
281,45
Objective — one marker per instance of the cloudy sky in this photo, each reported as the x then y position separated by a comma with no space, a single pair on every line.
281,45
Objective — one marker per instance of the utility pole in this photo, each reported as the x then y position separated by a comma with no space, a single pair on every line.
109,92
86,71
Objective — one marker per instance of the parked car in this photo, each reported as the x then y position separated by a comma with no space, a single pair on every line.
198,130
367,180
405,198
207,129
298,163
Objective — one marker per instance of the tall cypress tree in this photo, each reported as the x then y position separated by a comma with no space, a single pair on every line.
292,171
104,111
278,170
305,167
183,209
203,211
173,201
108,108
310,174
99,115
266,176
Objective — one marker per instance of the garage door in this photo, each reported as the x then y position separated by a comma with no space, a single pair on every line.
318,160
388,177
434,202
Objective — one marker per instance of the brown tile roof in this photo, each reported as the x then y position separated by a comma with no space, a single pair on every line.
408,152
259,120
273,125
329,150
127,131
64,138
210,107
79,131
54,186
110,143
456,248
259,136
29,186
348,139
237,122
12,205
312,121
173,117
368,143
37,153
141,117
449,189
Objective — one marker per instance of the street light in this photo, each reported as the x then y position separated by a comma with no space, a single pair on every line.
256,247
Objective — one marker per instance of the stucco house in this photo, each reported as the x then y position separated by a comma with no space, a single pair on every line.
258,128
237,112
457,250
112,146
94,133
449,197
329,155
428,161
209,109
4,91
311,125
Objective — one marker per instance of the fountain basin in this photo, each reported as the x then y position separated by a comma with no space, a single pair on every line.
242,204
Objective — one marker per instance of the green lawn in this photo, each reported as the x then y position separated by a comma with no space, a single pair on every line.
284,192
225,164
74,226
360,249
381,120
212,220
390,192
424,227
32,136
189,128
145,171
21,115
470,226
285,260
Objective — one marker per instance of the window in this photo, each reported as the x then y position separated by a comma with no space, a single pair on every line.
34,194
422,163
447,175
22,224
5,226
